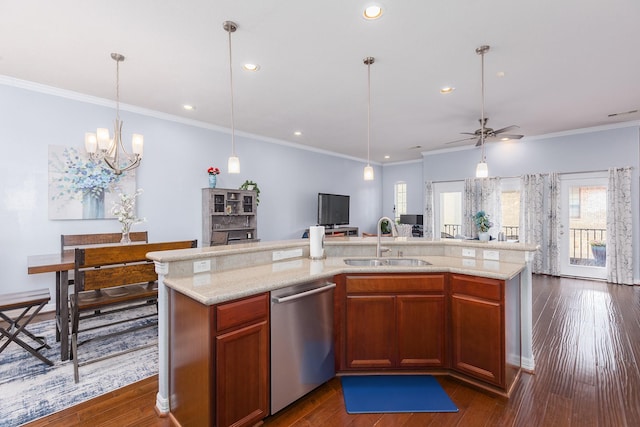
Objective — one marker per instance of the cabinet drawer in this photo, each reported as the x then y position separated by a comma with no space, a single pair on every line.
477,286
240,312
395,283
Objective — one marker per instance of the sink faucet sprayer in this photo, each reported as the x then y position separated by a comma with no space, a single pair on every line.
394,233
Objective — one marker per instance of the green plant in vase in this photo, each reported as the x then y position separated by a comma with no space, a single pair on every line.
251,186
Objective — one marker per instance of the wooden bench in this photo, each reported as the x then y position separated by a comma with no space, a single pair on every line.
23,300
68,243
109,280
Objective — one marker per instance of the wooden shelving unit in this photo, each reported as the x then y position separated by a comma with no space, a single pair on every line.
231,211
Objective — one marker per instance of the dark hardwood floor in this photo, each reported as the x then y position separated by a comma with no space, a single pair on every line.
587,347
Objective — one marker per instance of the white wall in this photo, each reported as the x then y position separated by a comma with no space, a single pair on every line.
173,171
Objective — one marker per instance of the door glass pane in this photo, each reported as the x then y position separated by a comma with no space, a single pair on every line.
450,214
587,225
511,214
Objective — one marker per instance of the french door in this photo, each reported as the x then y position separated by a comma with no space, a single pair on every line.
583,223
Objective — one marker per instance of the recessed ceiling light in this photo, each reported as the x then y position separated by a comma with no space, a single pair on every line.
500,74
387,156
372,12
505,139
297,133
188,107
251,67
447,89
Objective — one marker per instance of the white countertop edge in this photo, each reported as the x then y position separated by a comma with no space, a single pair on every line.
255,280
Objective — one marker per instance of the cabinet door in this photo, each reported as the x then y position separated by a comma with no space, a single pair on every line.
421,331
371,331
242,383
477,338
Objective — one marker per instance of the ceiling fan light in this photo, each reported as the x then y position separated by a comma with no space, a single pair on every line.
482,171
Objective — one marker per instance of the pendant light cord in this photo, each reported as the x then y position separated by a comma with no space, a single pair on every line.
482,95
368,111
233,145
117,90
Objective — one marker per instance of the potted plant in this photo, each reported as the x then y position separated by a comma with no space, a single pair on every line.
483,223
251,186
599,250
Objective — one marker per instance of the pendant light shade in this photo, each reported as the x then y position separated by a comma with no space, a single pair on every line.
368,173
368,170
233,165
482,171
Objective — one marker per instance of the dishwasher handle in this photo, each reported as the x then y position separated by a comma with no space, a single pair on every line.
279,300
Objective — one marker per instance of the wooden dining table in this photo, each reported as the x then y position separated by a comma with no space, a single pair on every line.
60,264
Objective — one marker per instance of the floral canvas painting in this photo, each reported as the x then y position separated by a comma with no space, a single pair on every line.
81,188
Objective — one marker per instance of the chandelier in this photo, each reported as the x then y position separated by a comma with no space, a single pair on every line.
101,146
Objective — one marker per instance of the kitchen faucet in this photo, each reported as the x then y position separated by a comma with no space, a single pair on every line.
394,233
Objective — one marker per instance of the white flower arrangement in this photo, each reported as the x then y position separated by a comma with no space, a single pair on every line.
125,211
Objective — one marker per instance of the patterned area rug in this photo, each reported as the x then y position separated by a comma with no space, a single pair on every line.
30,389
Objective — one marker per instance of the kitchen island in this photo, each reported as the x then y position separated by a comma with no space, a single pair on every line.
206,284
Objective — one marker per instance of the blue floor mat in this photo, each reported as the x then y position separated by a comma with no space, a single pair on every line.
394,393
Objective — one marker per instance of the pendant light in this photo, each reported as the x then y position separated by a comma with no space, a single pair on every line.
233,165
482,171
368,170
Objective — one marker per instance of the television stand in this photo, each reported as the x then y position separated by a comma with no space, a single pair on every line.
347,231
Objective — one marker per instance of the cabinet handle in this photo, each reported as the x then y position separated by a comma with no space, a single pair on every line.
279,300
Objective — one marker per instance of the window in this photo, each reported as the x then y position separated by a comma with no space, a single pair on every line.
574,202
400,199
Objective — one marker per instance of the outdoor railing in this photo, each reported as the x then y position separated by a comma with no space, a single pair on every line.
511,232
580,239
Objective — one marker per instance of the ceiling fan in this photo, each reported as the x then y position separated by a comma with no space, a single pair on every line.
485,132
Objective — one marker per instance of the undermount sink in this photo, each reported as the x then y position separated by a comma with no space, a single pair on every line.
369,262
406,262
376,262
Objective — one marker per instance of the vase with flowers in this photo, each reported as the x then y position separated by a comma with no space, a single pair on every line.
481,219
213,176
124,210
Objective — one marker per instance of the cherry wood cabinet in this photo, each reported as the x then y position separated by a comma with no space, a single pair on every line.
394,321
477,327
219,361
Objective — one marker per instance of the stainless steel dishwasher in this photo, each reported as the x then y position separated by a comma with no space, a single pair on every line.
302,355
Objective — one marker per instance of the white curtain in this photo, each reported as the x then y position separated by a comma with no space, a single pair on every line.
532,215
427,221
551,248
482,194
619,233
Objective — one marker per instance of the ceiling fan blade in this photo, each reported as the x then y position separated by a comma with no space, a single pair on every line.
479,143
505,129
460,140
504,135
469,133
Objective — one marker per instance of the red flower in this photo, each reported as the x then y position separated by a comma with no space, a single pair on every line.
213,171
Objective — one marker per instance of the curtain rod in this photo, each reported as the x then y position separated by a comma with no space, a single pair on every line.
519,176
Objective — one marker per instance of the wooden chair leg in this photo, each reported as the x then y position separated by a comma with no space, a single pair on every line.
74,354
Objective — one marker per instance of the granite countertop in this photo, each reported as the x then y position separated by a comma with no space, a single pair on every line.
215,287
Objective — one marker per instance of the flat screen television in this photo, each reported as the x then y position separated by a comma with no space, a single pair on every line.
333,209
